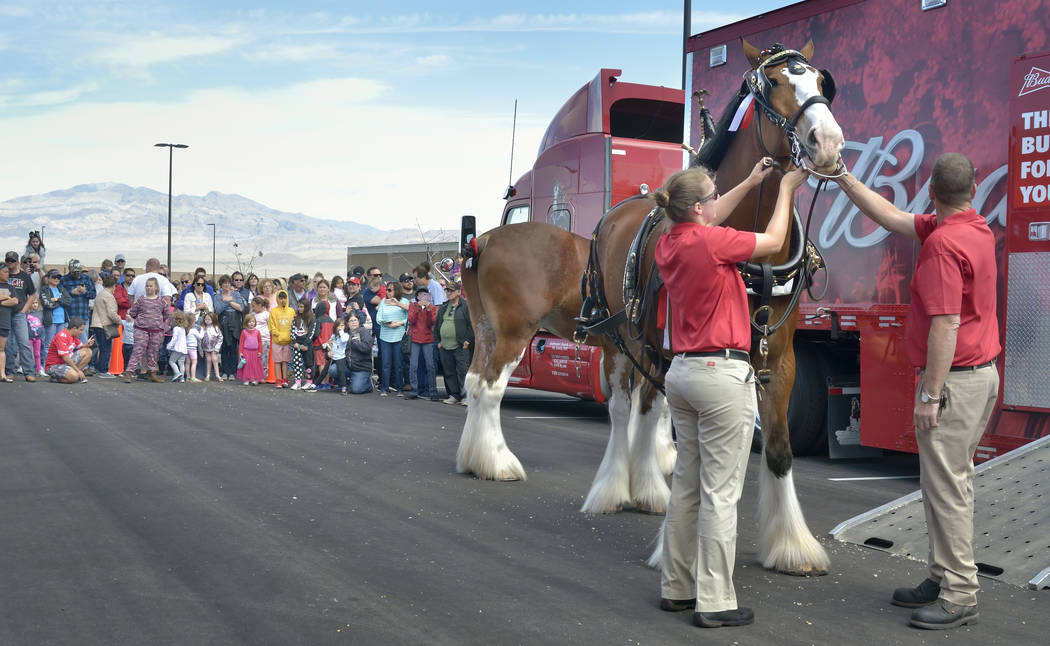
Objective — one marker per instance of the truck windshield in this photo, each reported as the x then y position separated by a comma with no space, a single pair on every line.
647,119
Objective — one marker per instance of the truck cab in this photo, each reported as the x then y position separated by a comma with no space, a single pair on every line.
609,142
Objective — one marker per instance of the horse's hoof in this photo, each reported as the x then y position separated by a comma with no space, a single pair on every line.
508,479
649,510
803,571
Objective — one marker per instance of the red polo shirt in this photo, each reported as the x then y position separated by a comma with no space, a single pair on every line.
955,274
708,300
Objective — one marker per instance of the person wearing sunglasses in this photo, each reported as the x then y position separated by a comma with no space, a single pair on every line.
711,384
198,302
200,273
454,336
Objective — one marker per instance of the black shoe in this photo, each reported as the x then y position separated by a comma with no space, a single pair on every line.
412,396
943,614
737,617
677,605
435,398
922,595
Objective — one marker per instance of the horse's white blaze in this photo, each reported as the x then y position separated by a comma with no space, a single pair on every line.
482,449
611,488
648,484
784,540
817,119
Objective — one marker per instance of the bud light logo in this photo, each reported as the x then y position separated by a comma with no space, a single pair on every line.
1034,81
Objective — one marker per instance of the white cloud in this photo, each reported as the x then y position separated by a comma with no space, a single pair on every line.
13,11
294,53
143,51
49,97
332,148
434,60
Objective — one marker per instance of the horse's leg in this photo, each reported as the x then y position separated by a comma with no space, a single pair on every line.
666,453
611,487
649,412
482,449
785,542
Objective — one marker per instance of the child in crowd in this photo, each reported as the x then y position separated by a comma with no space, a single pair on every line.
128,338
35,334
194,337
262,323
211,343
304,331
280,324
152,315
250,371
339,369
321,342
177,347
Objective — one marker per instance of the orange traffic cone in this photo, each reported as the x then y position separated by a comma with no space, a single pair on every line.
116,356
270,378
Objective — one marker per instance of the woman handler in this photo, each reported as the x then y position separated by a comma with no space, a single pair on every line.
710,386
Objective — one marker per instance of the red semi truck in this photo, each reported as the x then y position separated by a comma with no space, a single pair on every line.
610,141
916,79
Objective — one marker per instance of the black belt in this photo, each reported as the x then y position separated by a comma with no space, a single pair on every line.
726,354
983,365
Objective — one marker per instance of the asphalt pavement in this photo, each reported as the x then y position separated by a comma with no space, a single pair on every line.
222,514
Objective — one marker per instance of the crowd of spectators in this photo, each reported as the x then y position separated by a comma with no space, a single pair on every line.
356,334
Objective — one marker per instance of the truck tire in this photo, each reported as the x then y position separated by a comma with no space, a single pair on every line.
808,407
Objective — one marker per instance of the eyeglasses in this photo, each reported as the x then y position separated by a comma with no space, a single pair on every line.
238,280
126,276
450,289
376,275
184,282
198,284
713,195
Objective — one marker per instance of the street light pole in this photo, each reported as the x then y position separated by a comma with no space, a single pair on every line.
171,154
212,225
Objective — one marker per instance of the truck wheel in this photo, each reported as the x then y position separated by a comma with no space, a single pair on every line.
808,407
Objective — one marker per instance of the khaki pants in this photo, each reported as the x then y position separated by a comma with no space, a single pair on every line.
712,401
946,468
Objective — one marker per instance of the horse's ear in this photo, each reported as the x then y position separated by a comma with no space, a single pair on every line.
807,51
751,52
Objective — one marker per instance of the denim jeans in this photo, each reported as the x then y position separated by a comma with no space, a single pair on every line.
423,353
102,350
455,364
338,371
47,334
391,354
361,381
18,345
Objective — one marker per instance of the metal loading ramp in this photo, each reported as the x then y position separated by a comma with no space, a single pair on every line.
1011,520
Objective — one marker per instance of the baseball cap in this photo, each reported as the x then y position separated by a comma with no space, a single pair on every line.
74,265
119,257
296,277
354,280
403,277
422,290
358,271
53,273
11,256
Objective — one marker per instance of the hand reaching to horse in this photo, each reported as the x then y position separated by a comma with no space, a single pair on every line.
762,169
791,181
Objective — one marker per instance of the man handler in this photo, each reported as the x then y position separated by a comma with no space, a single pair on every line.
952,337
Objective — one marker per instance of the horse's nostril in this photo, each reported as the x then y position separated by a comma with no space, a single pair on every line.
811,138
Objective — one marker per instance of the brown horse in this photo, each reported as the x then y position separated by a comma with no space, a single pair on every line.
507,310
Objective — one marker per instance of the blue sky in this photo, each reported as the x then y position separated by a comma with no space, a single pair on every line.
344,110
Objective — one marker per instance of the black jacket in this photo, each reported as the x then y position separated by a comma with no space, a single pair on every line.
464,331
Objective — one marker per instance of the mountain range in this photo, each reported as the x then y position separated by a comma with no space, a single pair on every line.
96,221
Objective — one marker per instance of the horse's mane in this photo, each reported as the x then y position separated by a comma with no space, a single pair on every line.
715,147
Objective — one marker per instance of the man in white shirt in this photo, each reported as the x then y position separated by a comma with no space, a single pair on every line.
138,286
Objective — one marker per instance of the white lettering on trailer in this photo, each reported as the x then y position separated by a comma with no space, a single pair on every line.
1035,168
1040,144
872,157
1036,119
1034,194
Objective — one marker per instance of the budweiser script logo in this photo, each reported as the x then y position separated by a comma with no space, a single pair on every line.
1035,80
878,167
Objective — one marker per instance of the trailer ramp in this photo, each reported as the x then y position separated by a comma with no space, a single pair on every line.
1011,520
